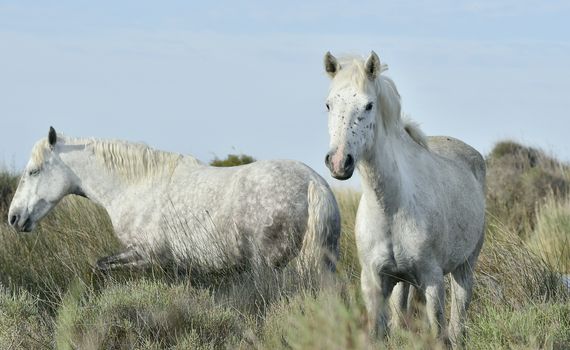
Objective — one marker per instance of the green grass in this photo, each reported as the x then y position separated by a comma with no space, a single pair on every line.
50,296
538,326
143,314
22,323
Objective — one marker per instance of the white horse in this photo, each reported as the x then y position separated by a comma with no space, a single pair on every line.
422,211
167,205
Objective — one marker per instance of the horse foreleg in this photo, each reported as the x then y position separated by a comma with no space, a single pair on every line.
128,258
435,302
376,290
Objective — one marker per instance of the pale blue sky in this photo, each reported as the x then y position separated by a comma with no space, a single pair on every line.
218,77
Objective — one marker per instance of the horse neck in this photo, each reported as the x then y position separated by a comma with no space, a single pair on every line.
383,169
94,181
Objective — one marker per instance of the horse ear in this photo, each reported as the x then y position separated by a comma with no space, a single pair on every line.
52,136
372,66
331,65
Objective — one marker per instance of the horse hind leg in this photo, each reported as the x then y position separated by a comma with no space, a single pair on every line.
433,284
399,305
128,258
461,292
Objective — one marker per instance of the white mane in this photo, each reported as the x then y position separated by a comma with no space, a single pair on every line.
133,161
353,72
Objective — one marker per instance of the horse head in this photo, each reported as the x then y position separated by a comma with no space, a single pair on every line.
45,181
358,107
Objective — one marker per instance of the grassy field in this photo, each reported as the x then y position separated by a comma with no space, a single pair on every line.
51,298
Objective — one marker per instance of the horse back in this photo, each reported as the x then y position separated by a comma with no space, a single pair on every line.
459,153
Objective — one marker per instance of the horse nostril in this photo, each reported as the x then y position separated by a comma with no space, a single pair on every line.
349,163
328,159
14,219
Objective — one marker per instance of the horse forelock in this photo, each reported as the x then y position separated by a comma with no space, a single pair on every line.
353,72
40,152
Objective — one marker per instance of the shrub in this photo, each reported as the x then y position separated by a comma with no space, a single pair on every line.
232,160
325,321
519,178
146,314
22,324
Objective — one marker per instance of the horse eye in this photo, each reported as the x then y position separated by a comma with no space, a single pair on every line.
328,107
368,106
34,172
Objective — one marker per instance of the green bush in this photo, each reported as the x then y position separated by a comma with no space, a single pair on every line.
232,160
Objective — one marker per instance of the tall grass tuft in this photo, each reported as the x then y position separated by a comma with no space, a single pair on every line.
146,314
63,248
349,265
22,323
551,237
509,273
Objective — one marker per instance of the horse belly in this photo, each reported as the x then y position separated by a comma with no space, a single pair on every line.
459,226
274,230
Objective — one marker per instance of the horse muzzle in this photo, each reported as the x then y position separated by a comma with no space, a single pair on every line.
341,167
21,224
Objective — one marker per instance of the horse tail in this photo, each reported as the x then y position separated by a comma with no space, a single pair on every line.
321,239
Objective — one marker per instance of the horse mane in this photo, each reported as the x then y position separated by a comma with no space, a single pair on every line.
413,129
353,72
133,161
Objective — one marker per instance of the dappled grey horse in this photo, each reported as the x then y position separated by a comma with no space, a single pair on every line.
422,211
167,205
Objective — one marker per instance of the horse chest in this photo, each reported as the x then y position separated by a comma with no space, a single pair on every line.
392,245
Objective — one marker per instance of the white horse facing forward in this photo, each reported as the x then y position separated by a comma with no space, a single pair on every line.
422,211
170,205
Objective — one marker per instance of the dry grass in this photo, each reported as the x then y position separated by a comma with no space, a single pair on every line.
551,237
